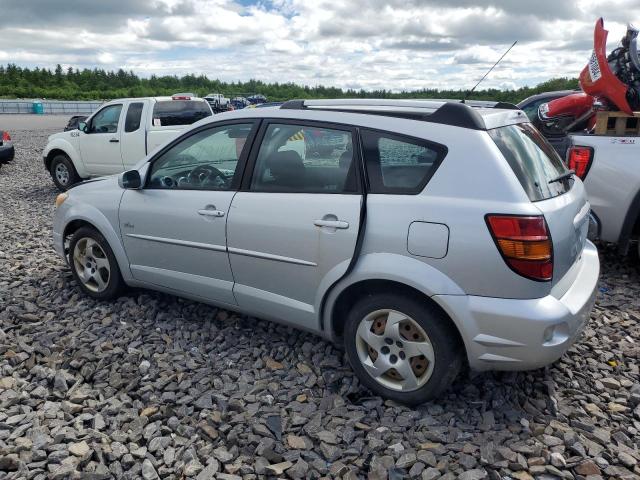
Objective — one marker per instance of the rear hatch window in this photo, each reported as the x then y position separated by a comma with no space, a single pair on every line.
179,112
533,160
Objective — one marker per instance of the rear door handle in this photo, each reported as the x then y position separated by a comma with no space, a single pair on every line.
211,213
114,140
332,224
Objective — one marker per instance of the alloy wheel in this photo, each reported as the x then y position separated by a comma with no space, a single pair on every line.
91,264
62,173
395,350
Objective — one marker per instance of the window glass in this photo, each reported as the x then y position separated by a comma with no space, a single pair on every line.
179,112
206,160
134,114
397,164
106,120
296,158
532,109
532,159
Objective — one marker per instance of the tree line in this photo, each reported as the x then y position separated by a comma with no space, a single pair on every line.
99,84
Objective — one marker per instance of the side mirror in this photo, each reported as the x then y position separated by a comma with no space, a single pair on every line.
130,180
82,126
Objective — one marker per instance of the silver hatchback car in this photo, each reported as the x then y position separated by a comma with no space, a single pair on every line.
423,235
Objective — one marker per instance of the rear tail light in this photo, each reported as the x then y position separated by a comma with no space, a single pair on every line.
579,160
180,97
6,137
524,243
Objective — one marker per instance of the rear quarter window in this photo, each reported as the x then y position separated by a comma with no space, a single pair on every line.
399,164
533,160
179,112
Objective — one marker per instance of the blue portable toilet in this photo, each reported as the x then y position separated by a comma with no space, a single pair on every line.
38,108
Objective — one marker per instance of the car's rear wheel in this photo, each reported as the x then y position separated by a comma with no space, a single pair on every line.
402,348
63,172
94,265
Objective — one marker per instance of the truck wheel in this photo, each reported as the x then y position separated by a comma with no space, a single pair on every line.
401,348
93,264
63,172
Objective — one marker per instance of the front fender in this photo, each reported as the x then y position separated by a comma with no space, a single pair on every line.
385,266
68,148
70,211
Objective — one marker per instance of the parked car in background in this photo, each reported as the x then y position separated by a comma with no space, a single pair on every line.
351,219
531,104
73,122
239,102
7,151
557,138
256,99
218,102
118,135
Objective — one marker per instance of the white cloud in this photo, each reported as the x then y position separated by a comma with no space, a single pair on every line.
392,44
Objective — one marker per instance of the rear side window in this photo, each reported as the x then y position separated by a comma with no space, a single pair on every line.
179,112
533,160
134,114
305,159
399,164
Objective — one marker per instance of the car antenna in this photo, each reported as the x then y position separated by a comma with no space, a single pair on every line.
486,74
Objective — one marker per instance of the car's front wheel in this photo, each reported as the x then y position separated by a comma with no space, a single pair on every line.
63,172
402,348
94,265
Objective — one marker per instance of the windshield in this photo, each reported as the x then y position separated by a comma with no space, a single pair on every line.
533,160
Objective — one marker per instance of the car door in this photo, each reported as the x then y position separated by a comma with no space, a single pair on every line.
100,143
133,136
295,222
174,229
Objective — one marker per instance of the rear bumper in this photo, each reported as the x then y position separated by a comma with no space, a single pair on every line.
512,334
7,153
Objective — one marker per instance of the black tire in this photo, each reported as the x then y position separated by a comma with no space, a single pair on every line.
114,283
447,348
60,164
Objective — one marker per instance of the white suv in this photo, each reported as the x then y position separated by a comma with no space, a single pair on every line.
422,235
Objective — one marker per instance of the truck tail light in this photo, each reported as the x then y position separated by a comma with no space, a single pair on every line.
579,160
6,137
524,243
180,97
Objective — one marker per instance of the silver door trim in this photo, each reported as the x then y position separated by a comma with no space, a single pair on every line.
182,243
269,256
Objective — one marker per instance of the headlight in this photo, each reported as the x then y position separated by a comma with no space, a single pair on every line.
61,198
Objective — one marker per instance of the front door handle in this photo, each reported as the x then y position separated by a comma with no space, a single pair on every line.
114,140
211,212
332,224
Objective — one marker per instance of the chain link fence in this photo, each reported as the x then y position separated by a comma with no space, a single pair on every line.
49,107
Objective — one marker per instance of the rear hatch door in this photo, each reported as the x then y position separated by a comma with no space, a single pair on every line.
559,196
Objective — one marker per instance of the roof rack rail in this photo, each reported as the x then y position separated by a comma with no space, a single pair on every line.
449,112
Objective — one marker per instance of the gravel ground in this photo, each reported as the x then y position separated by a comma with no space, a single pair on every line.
155,386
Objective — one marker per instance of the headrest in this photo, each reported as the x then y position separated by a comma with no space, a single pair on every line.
286,168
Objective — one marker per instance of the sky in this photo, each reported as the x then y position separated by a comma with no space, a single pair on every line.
375,44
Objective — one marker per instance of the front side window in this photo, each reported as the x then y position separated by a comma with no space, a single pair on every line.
206,160
399,164
179,112
134,115
106,120
298,158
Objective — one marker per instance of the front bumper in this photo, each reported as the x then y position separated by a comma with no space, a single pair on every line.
58,229
7,153
513,334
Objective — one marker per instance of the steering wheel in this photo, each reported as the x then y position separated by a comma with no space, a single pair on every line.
204,174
